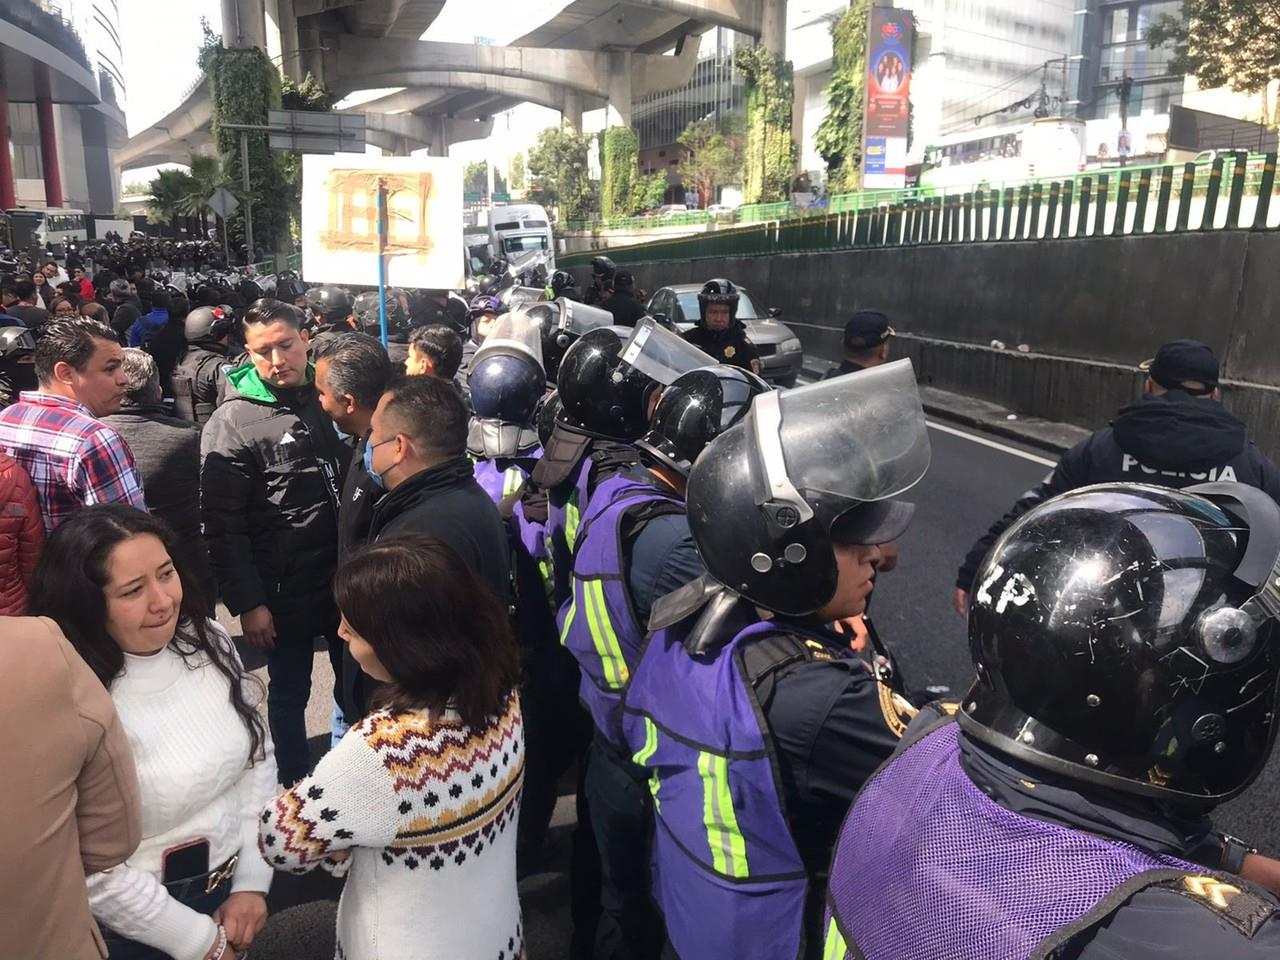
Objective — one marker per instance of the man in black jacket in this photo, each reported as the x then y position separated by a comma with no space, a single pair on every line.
271,472
1176,435
352,371
167,453
417,452
622,302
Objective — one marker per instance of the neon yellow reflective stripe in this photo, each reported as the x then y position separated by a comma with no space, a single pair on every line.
571,518
602,635
728,849
548,577
568,620
645,754
511,481
834,948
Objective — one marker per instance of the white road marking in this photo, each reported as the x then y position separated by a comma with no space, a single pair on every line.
1014,451
1003,448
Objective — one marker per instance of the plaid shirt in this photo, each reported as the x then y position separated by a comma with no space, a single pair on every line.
74,459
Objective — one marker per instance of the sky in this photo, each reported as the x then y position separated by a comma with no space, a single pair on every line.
162,37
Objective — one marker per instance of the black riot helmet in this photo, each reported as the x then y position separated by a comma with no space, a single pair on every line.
332,304
208,324
561,281
694,410
506,381
1125,636
562,322
546,415
289,288
601,397
602,270
806,469
365,310
717,291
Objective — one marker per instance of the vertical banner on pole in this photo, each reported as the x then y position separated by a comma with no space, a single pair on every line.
886,99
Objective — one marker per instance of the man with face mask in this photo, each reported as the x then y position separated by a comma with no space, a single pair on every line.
757,731
270,482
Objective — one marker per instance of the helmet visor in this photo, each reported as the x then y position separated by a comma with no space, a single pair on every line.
512,333
580,319
518,296
859,437
660,354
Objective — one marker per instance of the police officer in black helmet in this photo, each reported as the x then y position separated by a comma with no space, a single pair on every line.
719,331
198,377
565,284
1127,657
602,273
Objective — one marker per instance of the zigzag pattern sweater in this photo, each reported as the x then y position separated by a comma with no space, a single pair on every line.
428,811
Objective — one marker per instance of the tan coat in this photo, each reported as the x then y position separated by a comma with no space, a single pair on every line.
68,792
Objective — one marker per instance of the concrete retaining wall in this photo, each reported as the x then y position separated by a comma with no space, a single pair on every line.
1089,310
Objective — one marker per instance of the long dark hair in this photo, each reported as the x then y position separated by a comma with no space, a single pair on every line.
437,628
70,589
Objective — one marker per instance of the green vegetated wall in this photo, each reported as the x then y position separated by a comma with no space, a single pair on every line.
1087,309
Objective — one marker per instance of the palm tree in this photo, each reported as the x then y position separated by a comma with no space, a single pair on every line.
169,190
207,176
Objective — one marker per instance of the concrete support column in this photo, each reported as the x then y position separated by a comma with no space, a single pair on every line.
618,113
290,59
310,58
571,111
8,196
244,23
443,134
773,27
49,152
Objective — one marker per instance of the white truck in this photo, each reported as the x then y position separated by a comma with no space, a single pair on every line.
521,229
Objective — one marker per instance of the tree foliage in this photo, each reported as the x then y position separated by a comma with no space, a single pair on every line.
648,191
475,177
1223,43
309,95
170,190
559,174
712,157
619,169
207,175
516,171
770,153
839,135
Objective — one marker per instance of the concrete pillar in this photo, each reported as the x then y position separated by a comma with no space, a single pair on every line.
49,152
773,27
571,110
244,23
101,181
8,198
618,113
290,58
442,127
310,56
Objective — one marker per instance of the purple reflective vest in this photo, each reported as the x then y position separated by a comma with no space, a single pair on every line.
500,484
929,866
598,625
725,871
561,531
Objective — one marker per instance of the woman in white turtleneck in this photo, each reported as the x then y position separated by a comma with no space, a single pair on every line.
112,579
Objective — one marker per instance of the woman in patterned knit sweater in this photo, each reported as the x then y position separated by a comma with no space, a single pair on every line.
418,803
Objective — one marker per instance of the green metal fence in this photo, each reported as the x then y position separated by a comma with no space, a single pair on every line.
1233,192
277,265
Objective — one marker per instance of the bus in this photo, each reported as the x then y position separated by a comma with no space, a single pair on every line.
57,225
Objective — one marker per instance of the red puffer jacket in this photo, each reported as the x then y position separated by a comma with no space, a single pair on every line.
21,537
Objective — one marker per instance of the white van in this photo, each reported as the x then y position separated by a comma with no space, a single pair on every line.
521,228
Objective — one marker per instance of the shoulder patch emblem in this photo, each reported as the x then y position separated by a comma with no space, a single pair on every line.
897,712
1239,906
730,352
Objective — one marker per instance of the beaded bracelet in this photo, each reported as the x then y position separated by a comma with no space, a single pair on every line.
222,944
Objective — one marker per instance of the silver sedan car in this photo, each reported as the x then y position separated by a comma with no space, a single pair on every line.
779,348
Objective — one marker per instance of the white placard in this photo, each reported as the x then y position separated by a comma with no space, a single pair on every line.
424,216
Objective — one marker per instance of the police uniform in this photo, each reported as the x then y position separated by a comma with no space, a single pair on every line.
1173,440
1067,795
732,346
199,379
864,331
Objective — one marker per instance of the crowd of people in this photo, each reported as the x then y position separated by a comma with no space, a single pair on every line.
552,535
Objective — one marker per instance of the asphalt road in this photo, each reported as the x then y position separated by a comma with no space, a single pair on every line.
972,480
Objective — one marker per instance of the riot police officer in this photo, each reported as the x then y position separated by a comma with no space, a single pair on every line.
1127,658
368,319
757,733
198,377
1176,435
602,273
562,322
867,336
633,547
719,331
565,284
331,306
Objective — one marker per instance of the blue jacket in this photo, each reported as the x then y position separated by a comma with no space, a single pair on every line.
147,326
